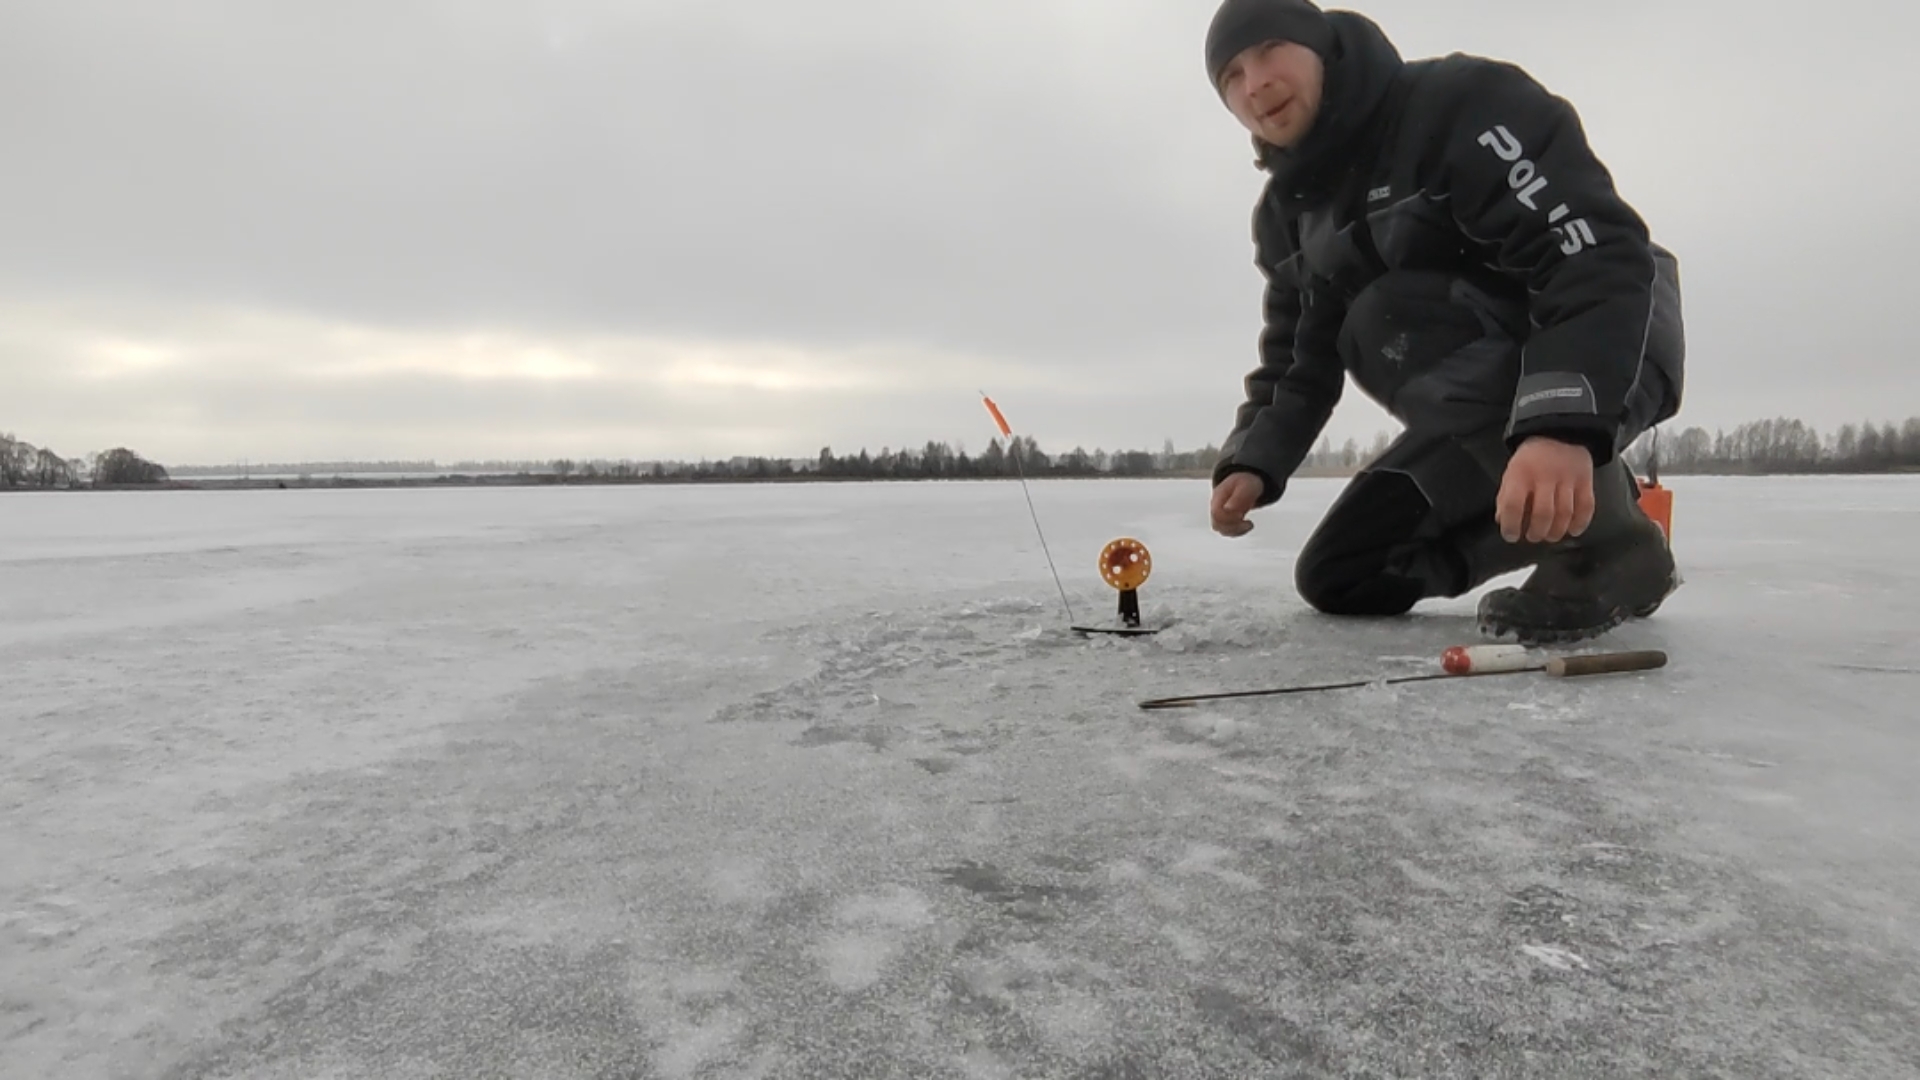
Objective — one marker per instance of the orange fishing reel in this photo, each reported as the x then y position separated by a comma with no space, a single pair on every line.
1126,564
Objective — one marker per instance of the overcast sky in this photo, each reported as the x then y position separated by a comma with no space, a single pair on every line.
267,230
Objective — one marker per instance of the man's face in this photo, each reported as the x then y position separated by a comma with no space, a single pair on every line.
1274,90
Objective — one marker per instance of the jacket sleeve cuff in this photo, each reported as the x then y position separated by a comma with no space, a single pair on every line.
1561,405
1270,490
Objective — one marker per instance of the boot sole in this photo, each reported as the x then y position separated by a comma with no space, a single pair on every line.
1496,627
1527,635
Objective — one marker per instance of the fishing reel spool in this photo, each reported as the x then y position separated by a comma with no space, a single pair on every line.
1126,564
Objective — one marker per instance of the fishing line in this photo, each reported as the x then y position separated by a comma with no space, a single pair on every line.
1013,451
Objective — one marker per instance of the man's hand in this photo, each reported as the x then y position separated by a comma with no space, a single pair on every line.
1232,498
1547,493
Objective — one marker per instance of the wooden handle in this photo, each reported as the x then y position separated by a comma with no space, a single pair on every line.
1561,667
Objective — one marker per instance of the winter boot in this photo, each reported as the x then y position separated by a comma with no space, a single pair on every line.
1482,554
1586,585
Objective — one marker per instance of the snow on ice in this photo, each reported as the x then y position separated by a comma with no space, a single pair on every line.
812,780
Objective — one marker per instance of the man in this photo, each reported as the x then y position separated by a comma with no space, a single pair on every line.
1441,231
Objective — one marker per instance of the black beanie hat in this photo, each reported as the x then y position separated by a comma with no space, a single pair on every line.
1240,24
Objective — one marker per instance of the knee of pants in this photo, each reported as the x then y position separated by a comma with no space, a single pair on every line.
1343,567
1316,581
1413,319
1445,352
1373,590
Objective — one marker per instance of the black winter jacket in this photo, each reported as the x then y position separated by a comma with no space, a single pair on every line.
1446,236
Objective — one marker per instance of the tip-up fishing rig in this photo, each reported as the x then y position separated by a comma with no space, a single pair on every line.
1124,563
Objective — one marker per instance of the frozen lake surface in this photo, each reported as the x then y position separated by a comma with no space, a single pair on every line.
810,781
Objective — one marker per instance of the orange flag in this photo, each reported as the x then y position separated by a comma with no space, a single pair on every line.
1005,429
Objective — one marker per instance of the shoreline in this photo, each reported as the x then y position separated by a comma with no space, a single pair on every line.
506,480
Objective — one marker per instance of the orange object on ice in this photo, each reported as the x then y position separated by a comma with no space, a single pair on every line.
1657,502
1485,659
1125,564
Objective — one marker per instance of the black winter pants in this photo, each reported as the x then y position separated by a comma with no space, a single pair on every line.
1417,522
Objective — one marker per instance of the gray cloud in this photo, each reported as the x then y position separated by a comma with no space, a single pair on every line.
605,171
1043,194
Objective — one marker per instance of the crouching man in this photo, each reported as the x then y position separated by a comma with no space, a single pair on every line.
1441,232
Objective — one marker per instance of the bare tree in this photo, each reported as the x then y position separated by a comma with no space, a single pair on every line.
123,466
50,470
15,458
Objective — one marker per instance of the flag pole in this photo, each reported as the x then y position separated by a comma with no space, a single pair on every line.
1014,450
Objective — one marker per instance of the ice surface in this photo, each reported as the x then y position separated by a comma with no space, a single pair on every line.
811,781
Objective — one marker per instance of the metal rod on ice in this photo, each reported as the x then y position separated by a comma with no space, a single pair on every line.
1495,664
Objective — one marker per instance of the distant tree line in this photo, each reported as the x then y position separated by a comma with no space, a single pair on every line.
1758,447
1021,455
936,460
1779,445
24,466
1782,445
320,467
